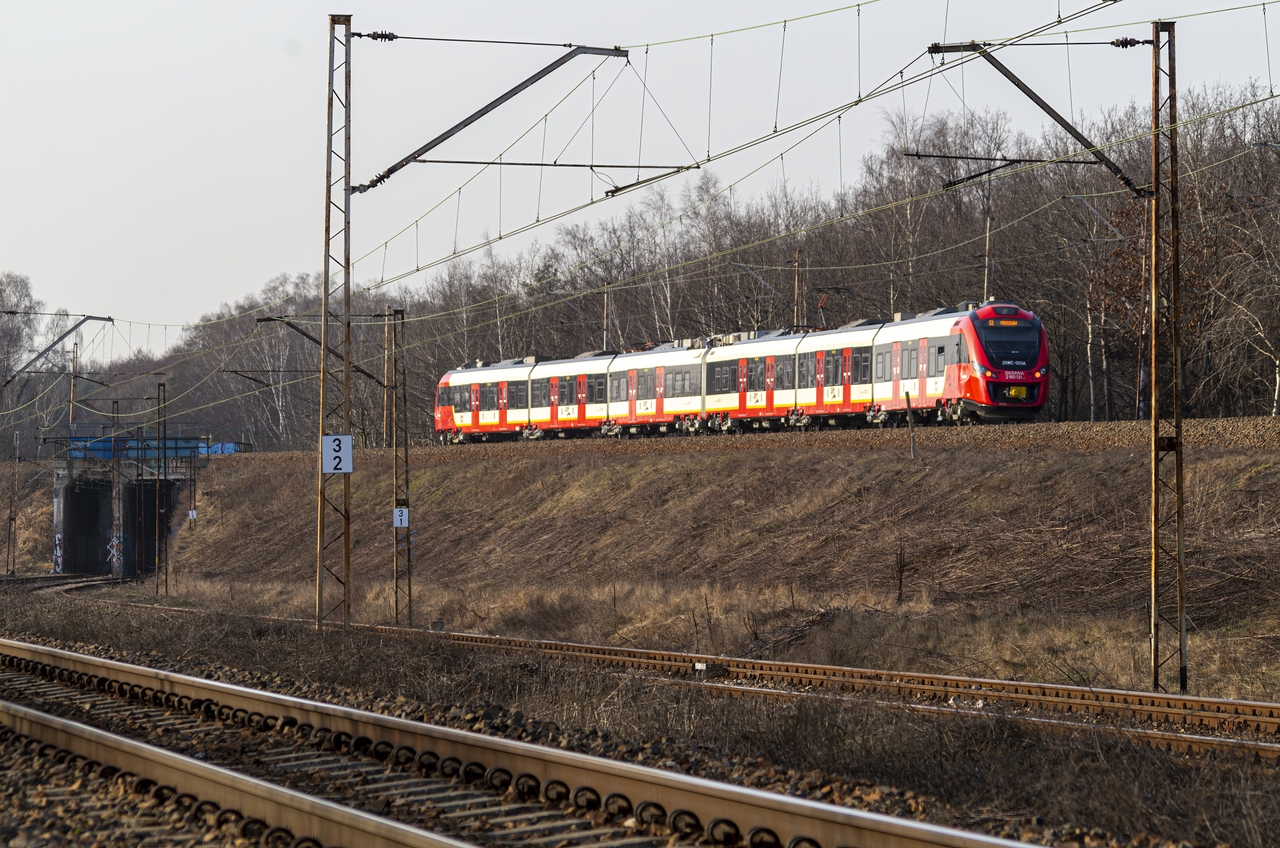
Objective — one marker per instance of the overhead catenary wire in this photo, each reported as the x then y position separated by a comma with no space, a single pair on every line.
711,70
1266,35
624,284
857,6
782,55
644,88
482,324
884,88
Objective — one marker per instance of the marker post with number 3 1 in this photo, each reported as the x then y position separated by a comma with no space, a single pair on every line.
400,516
335,454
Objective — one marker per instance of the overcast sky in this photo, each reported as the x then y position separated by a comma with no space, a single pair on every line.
163,158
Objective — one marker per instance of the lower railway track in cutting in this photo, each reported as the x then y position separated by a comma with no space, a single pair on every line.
1188,724
284,771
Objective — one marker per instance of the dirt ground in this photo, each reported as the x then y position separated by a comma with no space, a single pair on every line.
1015,551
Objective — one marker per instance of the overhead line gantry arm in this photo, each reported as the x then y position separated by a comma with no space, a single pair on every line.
484,110
303,332
54,344
981,50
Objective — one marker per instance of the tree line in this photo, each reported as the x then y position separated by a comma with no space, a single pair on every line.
908,234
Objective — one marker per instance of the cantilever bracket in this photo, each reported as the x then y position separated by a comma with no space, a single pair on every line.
54,344
484,110
292,326
1093,149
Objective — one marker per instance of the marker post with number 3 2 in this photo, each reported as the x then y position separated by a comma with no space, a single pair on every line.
335,452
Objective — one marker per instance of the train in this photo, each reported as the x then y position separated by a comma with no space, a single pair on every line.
972,363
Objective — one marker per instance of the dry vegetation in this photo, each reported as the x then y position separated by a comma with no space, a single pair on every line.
984,772
1022,557
1026,559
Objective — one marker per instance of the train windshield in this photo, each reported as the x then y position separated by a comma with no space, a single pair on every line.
1010,343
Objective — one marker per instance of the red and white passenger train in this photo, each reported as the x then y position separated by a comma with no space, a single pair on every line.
987,362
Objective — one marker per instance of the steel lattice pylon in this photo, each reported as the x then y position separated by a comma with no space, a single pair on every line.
402,542
333,499
1168,592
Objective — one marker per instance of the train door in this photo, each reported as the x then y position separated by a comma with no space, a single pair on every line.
769,375
475,405
502,405
659,389
922,370
633,389
742,387
820,377
897,370
846,373
581,380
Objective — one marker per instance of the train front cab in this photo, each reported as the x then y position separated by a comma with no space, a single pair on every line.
1007,377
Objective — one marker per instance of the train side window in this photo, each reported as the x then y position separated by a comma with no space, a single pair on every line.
687,380
831,368
879,367
784,372
567,391
724,377
645,389
914,368
755,374
808,370
488,397
617,386
518,395
540,393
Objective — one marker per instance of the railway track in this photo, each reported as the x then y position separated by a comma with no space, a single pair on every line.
54,581
1218,715
292,770
1224,725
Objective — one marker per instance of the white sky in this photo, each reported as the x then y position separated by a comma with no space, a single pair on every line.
162,158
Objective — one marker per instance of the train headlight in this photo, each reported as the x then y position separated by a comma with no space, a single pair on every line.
1040,372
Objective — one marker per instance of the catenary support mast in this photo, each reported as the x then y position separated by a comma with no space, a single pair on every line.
333,498
1168,587
402,542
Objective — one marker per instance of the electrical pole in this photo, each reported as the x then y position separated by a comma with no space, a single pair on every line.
386,378
986,265
795,302
162,481
402,547
1168,588
11,550
333,544
114,549
71,398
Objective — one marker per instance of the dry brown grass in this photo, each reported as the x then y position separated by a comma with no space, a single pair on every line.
1024,564
984,766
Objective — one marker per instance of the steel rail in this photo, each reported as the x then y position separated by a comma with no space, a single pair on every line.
304,815
1221,714
1164,740
710,806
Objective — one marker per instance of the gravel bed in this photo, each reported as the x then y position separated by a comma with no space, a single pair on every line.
48,803
660,752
